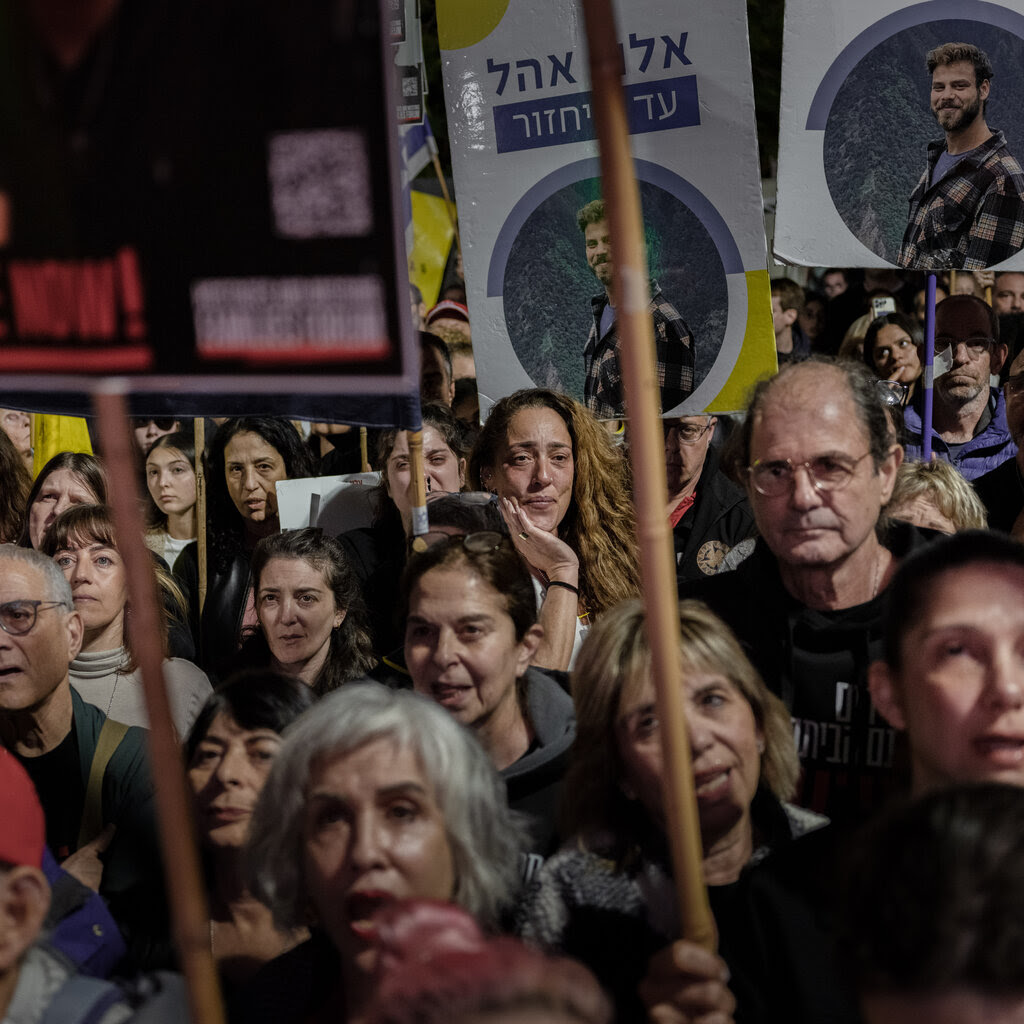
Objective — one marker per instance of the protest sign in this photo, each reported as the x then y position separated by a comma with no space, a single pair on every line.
525,163
202,199
855,128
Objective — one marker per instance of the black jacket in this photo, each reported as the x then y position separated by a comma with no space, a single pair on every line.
817,663
719,518
217,636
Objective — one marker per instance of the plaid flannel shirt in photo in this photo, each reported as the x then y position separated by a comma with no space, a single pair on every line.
973,218
674,347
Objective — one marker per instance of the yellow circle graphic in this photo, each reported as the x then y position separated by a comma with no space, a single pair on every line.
463,23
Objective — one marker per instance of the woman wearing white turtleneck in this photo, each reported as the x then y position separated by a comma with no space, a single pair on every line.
81,541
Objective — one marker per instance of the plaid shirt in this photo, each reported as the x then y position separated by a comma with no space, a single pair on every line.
673,344
973,218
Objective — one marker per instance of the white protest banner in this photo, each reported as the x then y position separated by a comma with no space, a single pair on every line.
855,129
525,164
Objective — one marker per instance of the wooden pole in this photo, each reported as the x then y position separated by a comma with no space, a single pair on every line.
364,455
449,205
199,425
643,401
417,482
190,921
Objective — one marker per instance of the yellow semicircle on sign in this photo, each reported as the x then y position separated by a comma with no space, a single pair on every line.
462,23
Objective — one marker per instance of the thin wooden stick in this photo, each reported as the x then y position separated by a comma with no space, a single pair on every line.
417,482
199,425
643,400
449,205
190,920
364,455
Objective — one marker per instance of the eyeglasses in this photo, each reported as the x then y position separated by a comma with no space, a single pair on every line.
826,472
18,617
975,346
1014,386
688,433
164,423
892,392
482,542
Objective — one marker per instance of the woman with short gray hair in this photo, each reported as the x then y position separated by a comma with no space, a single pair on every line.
376,795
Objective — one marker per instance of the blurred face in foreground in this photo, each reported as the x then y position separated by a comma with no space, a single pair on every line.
373,833
959,692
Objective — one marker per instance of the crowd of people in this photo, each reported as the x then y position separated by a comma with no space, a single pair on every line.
427,768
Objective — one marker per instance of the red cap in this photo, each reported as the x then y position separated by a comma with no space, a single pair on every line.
22,824
448,309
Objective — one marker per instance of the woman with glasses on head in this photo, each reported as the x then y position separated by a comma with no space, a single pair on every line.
171,483
564,492
471,633
891,352
378,552
146,430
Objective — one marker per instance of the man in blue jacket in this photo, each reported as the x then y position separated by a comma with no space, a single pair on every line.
969,416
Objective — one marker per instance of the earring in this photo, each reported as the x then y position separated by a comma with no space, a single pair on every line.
760,746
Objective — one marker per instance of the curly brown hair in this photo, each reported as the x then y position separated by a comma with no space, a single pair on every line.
600,524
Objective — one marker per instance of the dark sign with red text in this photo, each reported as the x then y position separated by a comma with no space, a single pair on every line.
200,188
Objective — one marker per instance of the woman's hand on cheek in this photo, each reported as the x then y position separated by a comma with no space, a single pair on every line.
545,552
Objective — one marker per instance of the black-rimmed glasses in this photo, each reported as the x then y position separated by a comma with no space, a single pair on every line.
826,473
18,617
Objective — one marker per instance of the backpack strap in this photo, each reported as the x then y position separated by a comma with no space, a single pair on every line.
92,810
82,1000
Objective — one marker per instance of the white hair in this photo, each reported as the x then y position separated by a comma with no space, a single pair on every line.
484,836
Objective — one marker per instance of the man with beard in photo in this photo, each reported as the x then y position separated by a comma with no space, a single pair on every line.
967,211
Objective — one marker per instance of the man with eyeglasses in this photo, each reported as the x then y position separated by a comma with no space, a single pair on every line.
91,775
818,456
969,426
708,513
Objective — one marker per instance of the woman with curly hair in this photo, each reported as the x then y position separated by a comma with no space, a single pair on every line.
310,611
565,496
247,458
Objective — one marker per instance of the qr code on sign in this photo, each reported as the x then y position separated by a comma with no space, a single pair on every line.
410,86
320,184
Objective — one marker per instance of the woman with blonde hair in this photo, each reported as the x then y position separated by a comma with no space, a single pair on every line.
936,495
564,491
608,897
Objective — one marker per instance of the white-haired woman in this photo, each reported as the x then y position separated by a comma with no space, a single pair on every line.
376,795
